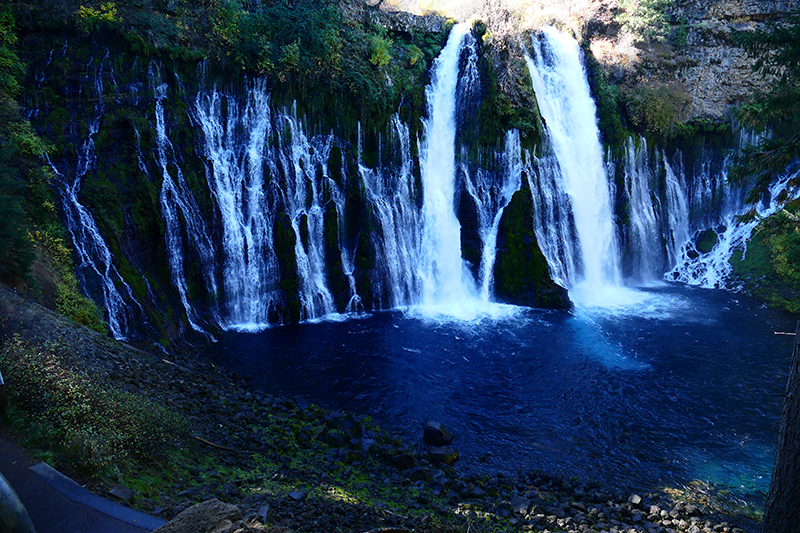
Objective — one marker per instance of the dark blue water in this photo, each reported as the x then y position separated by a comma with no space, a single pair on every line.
683,385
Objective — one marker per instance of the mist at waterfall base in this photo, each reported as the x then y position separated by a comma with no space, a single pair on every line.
684,385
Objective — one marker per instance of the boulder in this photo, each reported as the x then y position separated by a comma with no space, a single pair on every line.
521,506
521,273
206,517
436,434
443,454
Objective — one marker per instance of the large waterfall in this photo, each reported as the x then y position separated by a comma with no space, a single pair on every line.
566,104
278,221
445,279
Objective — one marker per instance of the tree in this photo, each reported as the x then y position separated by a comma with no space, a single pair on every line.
776,49
782,511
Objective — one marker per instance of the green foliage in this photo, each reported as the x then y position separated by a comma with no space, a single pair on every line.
71,303
777,53
99,429
645,19
90,19
11,68
771,266
381,51
657,108
680,36
20,153
609,99
69,300
414,55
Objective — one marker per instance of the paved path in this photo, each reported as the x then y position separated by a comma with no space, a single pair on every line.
59,505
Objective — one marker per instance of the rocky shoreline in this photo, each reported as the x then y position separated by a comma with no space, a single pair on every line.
291,466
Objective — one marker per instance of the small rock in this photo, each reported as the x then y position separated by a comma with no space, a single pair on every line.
121,492
206,516
298,496
436,434
402,461
265,512
635,500
521,505
444,454
418,473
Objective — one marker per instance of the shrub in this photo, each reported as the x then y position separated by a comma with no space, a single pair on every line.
381,54
64,408
645,19
657,107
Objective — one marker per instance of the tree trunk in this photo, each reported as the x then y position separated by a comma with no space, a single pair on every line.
782,512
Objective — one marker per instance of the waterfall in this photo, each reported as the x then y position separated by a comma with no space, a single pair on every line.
91,248
305,168
445,278
179,208
645,248
565,101
554,222
491,198
234,148
677,208
713,207
392,192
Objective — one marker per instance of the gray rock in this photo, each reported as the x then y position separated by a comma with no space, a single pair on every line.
121,492
521,505
635,500
436,434
298,496
211,515
265,512
444,454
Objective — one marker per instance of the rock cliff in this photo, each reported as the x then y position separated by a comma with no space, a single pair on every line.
698,54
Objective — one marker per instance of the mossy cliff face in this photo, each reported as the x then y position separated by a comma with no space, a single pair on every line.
521,274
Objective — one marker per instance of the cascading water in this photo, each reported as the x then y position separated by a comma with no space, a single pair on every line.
179,209
553,221
644,236
391,192
446,281
491,198
305,204
565,101
92,250
677,207
234,150
713,268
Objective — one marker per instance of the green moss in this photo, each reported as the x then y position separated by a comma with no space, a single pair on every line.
338,283
284,243
770,269
521,273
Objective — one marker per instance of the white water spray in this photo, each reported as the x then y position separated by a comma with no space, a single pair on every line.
565,101
179,208
491,198
234,150
391,191
446,281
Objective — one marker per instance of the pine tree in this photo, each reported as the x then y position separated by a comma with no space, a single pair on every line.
776,49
